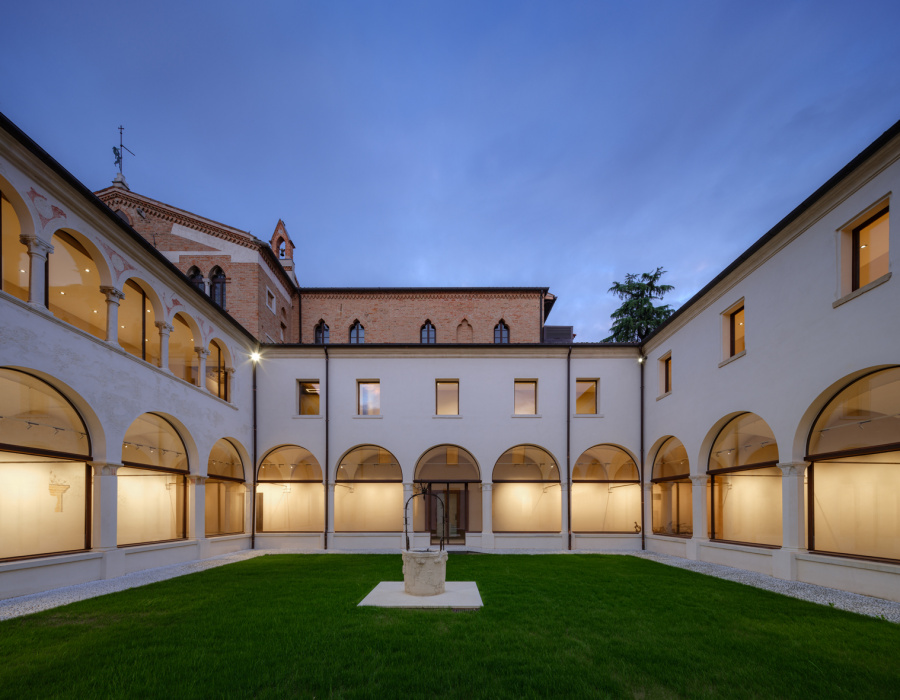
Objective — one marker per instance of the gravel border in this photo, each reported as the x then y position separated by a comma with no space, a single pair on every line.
852,602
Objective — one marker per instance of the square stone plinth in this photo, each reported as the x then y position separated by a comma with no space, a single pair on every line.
459,595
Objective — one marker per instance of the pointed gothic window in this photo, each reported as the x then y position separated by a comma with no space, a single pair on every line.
357,333
321,333
427,335
501,332
217,286
196,278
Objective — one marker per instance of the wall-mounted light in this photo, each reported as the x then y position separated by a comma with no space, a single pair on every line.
254,357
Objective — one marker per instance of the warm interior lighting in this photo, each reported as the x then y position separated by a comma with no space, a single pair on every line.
63,293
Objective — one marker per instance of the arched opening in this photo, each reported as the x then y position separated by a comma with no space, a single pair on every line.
745,483
527,496
501,332
73,285
182,353
217,371
427,333
452,473
14,261
138,333
368,494
152,504
44,476
854,473
672,512
225,493
289,492
217,286
606,491
321,333
464,332
357,333
196,278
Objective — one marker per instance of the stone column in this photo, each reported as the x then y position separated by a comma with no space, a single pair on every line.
407,494
201,366
793,519
564,504
698,502
196,524
487,532
648,507
329,523
164,330
38,250
113,298
104,520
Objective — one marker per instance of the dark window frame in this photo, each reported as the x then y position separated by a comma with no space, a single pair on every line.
427,333
357,333
854,247
501,333
321,334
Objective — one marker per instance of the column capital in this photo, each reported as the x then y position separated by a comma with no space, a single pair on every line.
793,468
164,327
104,468
200,350
699,479
486,486
36,246
113,295
197,479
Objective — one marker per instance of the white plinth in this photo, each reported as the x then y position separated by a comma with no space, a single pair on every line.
459,595
424,572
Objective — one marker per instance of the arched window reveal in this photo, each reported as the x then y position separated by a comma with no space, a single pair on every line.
606,491
182,354
745,484
225,493
452,474
44,476
427,334
196,278
357,333
671,492
152,504
368,494
216,372
217,286
73,282
290,492
138,333
501,333
322,333
14,262
854,473
526,495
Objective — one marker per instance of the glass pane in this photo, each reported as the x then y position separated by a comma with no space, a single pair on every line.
525,398
746,439
447,463
362,507
606,507
369,399
138,333
152,441
586,397
857,505
448,398
224,460
672,513
150,506
290,507
526,463
74,286
14,253
865,414
309,398
369,463
671,460
475,508
605,462
42,505
215,370
873,250
224,507
748,506
737,320
182,356
290,462
34,415
527,507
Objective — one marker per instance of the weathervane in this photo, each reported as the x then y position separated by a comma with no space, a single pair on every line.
119,152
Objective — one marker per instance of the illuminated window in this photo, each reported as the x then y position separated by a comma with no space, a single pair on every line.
138,333
733,333
357,333
226,494
526,495
870,242
309,398
217,286
182,352
525,397
13,253
74,286
216,371
290,492
427,334
368,395
321,335
447,397
586,397
501,333
671,493
368,493
606,491
454,508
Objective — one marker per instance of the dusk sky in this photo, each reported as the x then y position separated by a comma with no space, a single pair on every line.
429,143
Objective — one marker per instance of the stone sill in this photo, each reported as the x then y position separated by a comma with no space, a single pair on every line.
37,562
848,562
668,393
732,358
862,290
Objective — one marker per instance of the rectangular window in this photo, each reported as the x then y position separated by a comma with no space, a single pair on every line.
526,397
270,300
368,395
870,250
586,397
736,331
309,398
665,374
446,397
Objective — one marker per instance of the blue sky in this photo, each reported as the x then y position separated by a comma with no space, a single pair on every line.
559,144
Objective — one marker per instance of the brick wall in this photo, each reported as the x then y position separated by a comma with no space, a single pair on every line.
397,317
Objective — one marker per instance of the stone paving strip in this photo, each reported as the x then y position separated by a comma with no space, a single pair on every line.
864,605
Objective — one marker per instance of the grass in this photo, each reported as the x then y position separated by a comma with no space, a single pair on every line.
577,626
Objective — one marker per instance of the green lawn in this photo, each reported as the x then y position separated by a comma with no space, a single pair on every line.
574,625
